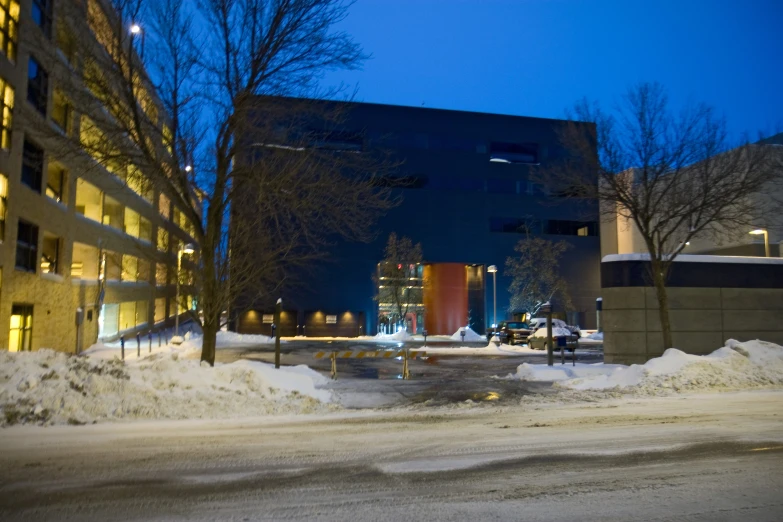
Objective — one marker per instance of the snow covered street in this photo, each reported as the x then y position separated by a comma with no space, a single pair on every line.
699,457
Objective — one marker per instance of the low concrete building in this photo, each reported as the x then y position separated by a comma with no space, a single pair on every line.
711,299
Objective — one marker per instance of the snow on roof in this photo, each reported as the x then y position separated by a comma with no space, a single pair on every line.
690,258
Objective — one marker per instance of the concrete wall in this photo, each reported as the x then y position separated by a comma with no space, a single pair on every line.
702,320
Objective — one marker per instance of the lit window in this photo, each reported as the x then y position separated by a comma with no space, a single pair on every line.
55,182
9,27
502,152
50,254
89,200
62,111
7,105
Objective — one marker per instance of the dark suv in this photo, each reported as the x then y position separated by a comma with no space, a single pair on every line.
510,332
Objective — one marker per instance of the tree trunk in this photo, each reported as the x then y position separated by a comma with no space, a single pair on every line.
659,279
210,330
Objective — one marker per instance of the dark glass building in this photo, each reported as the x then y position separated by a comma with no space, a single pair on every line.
467,197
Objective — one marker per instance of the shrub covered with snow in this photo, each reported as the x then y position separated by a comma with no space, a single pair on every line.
53,387
738,365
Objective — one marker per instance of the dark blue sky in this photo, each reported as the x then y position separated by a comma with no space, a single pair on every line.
536,57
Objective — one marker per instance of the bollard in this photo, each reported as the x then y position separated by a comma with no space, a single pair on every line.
334,365
424,332
405,373
122,347
138,346
149,336
158,339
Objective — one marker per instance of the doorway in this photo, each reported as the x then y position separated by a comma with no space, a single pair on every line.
21,334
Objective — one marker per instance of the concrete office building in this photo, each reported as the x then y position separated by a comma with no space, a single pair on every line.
75,239
468,198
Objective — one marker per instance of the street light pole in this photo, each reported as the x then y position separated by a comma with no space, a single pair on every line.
492,269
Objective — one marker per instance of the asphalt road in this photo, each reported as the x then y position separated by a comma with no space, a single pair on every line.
435,380
708,458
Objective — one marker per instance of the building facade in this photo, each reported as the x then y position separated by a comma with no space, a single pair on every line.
85,253
468,198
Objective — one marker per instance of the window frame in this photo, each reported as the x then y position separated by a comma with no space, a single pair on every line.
29,245
32,165
38,85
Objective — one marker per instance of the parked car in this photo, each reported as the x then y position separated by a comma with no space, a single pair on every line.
537,339
510,332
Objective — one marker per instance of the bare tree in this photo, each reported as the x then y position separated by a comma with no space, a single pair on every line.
535,273
399,284
217,141
673,176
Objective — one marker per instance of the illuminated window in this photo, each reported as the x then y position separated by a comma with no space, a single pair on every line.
163,240
50,254
55,182
161,274
62,111
164,206
9,27
113,213
89,200
130,268
7,105
66,43
21,331
160,309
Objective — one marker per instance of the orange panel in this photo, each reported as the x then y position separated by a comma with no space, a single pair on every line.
445,298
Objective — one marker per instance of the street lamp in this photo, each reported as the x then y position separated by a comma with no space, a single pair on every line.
135,29
760,231
492,269
184,249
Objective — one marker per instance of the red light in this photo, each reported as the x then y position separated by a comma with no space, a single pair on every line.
399,267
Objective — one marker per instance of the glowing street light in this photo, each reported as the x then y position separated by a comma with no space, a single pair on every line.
185,249
492,269
188,168
135,29
758,232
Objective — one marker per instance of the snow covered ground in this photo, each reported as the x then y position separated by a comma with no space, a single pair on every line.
49,387
738,365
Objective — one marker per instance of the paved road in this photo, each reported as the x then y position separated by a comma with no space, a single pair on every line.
705,458
435,380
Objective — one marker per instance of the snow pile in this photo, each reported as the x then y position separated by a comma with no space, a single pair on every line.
738,365
401,335
55,388
229,338
596,336
557,331
470,335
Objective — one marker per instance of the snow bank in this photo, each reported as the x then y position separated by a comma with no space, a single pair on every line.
55,388
229,338
556,332
597,336
470,335
402,335
737,365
